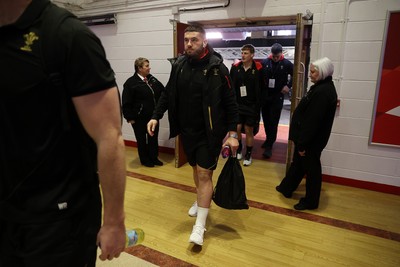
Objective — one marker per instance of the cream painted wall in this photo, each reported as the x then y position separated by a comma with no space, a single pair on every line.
349,32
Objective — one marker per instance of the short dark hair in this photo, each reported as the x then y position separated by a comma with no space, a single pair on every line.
276,48
195,28
249,47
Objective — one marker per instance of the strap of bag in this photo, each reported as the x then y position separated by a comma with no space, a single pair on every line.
53,17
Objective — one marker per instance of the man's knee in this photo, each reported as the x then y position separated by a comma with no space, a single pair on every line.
203,174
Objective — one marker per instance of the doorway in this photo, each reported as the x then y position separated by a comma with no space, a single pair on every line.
228,42
292,32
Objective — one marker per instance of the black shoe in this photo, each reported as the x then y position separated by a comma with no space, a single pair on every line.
264,145
302,205
287,195
158,162
267,153
148,164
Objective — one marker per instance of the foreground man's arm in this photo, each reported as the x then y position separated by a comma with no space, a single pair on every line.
100,115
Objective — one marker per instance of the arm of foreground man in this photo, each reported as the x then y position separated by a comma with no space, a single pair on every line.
100,115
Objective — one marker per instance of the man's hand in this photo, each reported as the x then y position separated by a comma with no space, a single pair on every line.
233,143
111,240
151,126
285,90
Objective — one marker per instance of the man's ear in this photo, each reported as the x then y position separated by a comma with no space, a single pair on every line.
205,43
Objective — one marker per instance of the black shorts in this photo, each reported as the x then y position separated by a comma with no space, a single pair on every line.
202,156
248,120
65,243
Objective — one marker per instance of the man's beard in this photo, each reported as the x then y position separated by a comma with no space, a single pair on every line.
195,53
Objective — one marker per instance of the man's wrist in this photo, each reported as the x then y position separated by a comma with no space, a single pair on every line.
233,135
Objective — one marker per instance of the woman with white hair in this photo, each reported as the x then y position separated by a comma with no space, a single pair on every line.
310,129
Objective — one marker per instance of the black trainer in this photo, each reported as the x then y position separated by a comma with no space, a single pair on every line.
287,195
267,153
264,145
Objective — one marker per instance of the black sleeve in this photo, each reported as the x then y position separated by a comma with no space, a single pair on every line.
229,99
129,107
290,71
261,86
86,68
232,72
233,75
162,104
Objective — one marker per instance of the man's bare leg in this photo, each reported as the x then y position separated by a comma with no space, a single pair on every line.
203,180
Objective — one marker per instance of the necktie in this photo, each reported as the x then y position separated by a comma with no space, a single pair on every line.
145,80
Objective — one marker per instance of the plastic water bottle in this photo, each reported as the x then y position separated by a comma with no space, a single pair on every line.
134,237
226,151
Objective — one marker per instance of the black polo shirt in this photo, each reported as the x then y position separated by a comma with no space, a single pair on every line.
248,78
47,170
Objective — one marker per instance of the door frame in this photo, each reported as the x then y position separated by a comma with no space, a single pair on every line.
178,45
301,58
300,71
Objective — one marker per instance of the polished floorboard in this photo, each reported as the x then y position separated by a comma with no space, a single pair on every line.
352,227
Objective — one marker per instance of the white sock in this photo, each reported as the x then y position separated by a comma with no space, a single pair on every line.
202,214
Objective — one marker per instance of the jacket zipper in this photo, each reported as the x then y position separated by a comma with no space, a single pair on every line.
152,91
209,117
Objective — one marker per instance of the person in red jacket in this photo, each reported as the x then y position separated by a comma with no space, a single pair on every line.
247,80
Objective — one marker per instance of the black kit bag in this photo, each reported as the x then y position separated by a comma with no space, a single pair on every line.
230,191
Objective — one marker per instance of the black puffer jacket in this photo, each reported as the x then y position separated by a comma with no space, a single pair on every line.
220,111
278,71
138,99
312,120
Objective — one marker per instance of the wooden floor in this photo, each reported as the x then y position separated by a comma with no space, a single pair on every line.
352,227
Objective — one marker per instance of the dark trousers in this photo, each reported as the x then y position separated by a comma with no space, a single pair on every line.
271,113
147,144
64,243
309,165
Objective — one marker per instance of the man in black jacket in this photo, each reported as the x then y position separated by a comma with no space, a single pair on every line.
202,109
140,95
276,71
